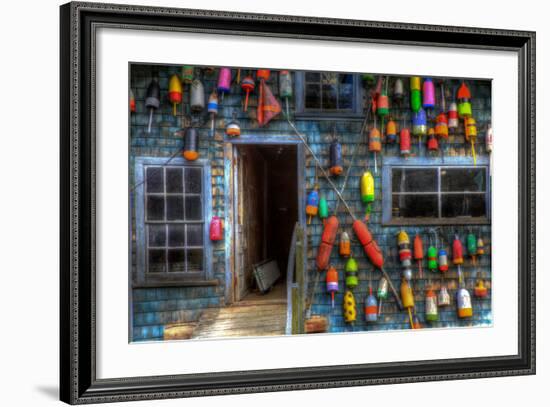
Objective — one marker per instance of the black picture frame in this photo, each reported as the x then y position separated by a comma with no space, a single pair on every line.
78,382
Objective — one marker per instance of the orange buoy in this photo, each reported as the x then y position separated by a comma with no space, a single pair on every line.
175,92
418,253
345,245
327,242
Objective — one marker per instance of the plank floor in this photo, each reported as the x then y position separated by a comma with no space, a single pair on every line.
251,317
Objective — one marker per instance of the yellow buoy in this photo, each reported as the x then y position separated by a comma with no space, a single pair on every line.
350,309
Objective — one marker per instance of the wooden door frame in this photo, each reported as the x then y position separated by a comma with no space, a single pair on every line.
230,197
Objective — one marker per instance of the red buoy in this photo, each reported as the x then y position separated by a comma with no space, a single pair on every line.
370,246
327,242
216,229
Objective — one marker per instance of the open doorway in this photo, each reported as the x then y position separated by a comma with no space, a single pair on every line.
266,197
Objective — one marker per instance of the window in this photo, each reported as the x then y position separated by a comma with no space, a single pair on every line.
171,235
417,191
328,93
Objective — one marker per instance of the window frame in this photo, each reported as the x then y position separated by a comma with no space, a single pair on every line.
357,100
427,163
141,278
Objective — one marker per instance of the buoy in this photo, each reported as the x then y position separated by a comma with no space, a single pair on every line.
233,129
187,73
480,246
327,241
407,297
323,208
345,245
312,204
371,307
403,242
471,247
373,252
191,144
248,86
216,229
489,139
441,126
418,253
350,308
419,123
453,116
431,306
332,283
375,144
464,105
132,102
382,104
471,134
463,303
175,92
367,190
152,100
336,166
415,94
405,142
263,74
443,297
398,92
368,79
213,108
432,259
458,259
432,140
351,273
224,81
428,94
480,291
442,260
197,96
382,292
285,88
391,132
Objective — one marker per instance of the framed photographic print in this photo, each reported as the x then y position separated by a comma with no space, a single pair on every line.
257,203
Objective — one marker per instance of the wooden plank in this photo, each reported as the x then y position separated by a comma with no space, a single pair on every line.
297,293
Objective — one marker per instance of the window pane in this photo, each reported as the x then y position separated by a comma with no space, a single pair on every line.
194,235
463,179
174,180
313,96
194,260
329,78
193,208
176,235
193,180
157,235
176,260
346,79
174,207
345,97
157,261
155,208
414,206
414,180
329,96
465,205
155,179
313,76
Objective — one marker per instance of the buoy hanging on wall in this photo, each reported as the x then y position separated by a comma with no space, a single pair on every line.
213,108
224,81
197,96
332,283
371,307
382,292
191,144
345,245
391,132
367,190
152,100
327,242
464,105
285,88
175,92
312,204
248,86
351,273
416,101
132,102
453,116
187,72
336,165
216,229
350,307
443,297
428,94
233,129
405,142
431,312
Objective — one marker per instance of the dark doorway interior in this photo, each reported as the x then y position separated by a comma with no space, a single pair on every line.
269,197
